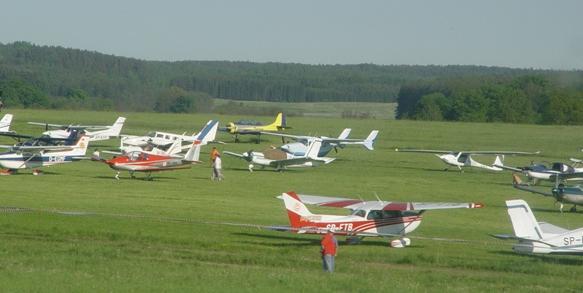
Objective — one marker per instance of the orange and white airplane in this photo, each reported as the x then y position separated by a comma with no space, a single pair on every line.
368,218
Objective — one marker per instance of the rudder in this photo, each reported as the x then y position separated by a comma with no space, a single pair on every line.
523,221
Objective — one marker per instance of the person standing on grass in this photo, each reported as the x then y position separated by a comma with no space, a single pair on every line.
1,105
217,166
214,154
329,246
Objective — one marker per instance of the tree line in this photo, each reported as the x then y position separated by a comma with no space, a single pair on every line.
551,99
33,76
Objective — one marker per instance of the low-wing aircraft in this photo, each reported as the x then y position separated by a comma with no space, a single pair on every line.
242,127
281,160
538,171
142,161
539,237
561,193
5,123
299,147
94,132
36,155
163,139
461,159
367,218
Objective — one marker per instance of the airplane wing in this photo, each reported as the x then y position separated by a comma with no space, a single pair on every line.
423,151
62,126
287,162
525,187
340,202
38,148
234,154
14,135
294,137
509,168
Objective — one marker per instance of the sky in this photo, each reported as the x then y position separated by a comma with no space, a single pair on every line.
521,34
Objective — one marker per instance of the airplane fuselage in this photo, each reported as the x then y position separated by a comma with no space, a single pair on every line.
143,162
17,160
354,225
566,243
299,149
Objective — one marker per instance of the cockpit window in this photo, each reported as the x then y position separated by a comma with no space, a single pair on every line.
360,213
375,215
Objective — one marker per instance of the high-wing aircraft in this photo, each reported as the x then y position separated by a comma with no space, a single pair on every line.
142,161
299,147
242,127
35,155
94,132
163,139
461,159
561,193
538,171
367,218
539,237
5,123
281,160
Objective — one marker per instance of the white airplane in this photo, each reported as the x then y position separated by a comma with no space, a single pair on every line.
540,237
299,147
94,132
5,124
163,139
461,159
35,156
536,172
281,160
366,219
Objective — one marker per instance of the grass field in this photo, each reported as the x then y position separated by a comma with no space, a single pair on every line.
139,235
322,109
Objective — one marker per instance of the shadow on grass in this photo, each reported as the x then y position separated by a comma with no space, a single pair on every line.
573,260
267,169
153,178
300,241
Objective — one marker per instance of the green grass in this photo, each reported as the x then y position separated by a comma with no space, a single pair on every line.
321,109
152,235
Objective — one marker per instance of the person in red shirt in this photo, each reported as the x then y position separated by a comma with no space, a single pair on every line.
329,246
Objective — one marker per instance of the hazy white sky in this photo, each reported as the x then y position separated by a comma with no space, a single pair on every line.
535,33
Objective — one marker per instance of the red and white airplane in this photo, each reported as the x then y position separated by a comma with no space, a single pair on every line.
142,161
368,218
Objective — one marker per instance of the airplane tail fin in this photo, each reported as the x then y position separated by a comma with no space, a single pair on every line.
369,141
345,133
115,129
296,209
280,121
5,123
193,154
523,221
499,161
176,147
314,148
80,148
208,132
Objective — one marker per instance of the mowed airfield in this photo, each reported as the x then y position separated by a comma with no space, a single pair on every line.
166,234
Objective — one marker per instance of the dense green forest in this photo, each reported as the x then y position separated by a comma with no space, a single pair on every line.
33,76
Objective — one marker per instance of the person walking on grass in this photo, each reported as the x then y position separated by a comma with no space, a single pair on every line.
217,169
214,153
329,246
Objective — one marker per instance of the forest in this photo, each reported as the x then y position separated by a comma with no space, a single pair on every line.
52,77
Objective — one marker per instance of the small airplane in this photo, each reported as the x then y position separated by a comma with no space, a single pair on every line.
561,193
142,161
281,160
5,124
538,171
162,139
539,237
299,147
36,155
242,127
367,218
461,159
94,132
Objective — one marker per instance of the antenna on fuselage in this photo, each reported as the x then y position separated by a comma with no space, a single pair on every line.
377,196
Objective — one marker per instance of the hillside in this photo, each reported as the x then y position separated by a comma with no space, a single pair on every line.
33,76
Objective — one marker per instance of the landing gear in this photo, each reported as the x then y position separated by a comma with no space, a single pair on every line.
6,172
573,209
400,243
117,175
132,175
37,172
251,167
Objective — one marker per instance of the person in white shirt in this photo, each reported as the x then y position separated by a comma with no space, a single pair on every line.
217,169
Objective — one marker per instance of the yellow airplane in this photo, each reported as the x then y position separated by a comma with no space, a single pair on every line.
242,127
